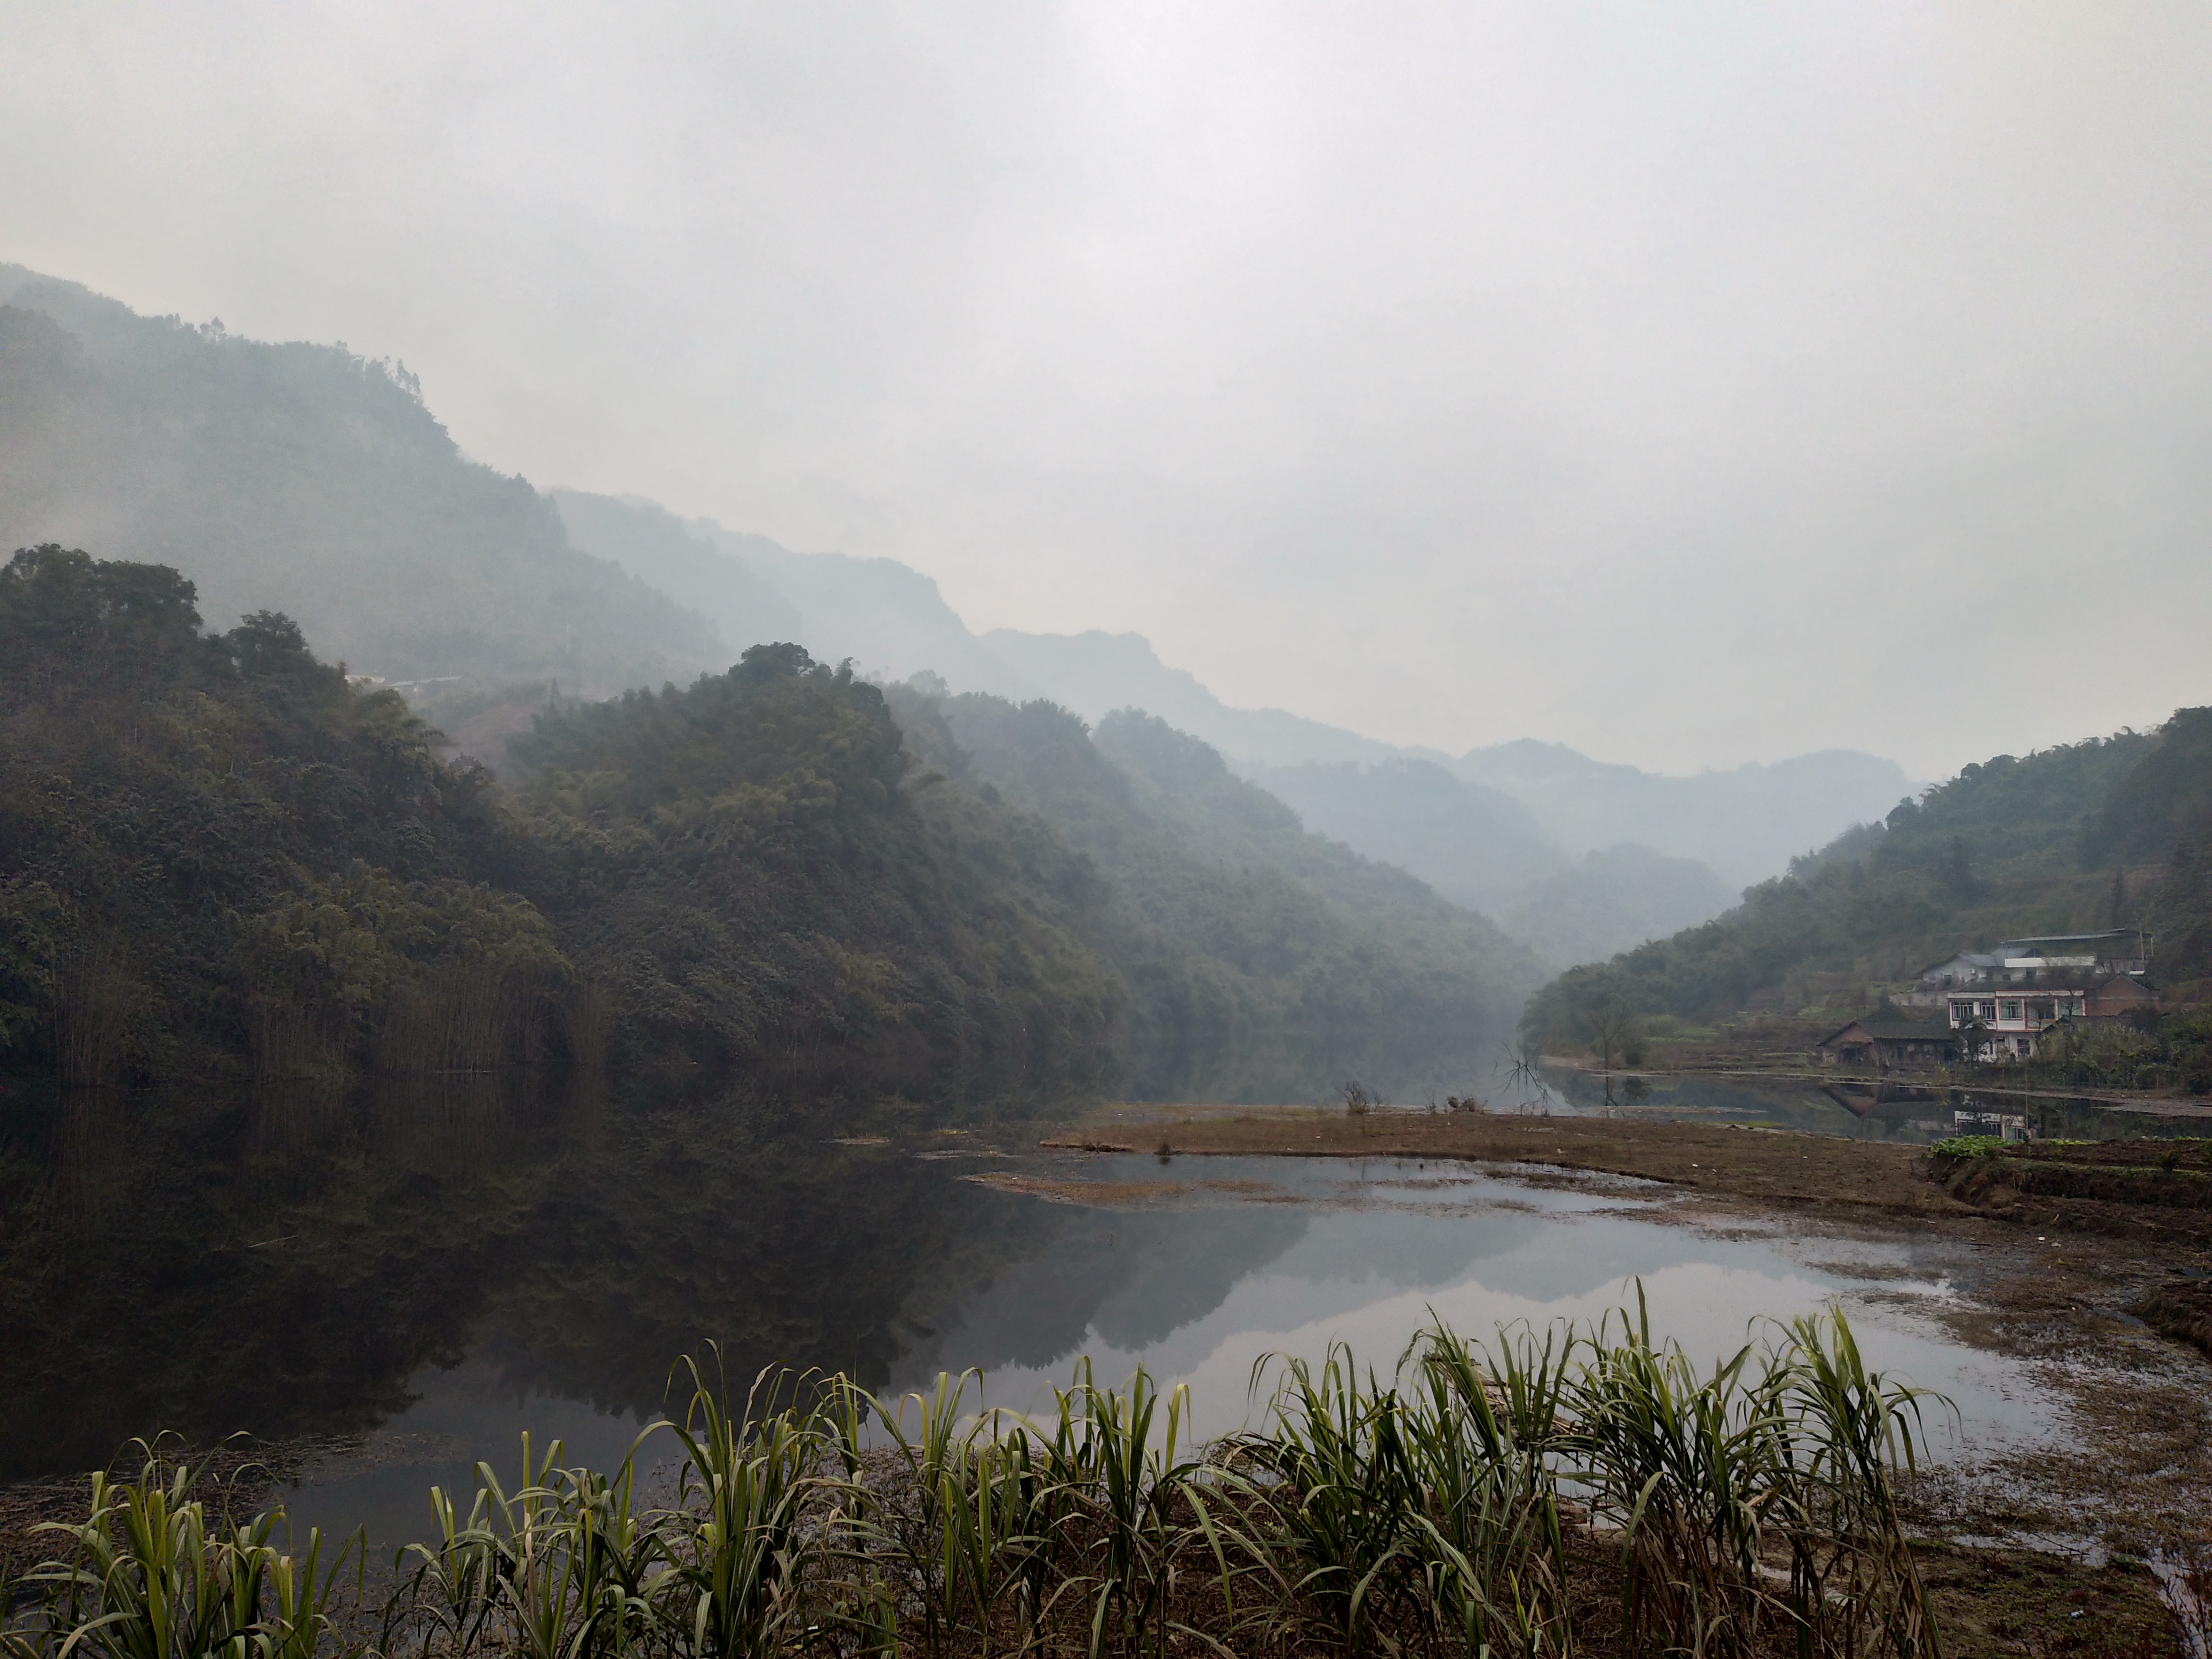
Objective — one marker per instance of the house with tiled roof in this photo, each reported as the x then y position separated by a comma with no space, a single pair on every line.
1889,1042
2003,1000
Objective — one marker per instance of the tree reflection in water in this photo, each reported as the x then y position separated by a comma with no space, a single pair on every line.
282,1262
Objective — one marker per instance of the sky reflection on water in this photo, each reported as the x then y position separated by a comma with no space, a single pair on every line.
1376,1248
413,1277
1254,1256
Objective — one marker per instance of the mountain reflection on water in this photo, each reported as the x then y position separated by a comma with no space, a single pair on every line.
421,1274
287,1263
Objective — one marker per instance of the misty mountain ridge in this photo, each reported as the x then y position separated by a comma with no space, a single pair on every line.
1257,953
1579,857
894,623
302,478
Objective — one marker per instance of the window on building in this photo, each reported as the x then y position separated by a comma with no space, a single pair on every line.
2009,1008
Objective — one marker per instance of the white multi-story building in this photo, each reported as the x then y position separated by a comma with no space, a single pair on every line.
2025,986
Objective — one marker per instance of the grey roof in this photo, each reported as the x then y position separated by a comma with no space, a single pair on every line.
1897,1031
2056,981
1893,1030
1979,959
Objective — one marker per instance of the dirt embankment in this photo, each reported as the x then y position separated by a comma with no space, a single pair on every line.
2141,1190
2145,1189
2155,1193
1772,1166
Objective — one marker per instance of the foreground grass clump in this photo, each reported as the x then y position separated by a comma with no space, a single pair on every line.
1450,1508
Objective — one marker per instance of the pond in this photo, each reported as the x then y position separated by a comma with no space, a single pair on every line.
391,1285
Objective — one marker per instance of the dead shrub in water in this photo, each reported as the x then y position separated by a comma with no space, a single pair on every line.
2185,1583
1357,1103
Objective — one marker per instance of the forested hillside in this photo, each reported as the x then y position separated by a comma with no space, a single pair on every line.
1575,856
1261,962
746,867
218,858
2108,832
302,478
215,855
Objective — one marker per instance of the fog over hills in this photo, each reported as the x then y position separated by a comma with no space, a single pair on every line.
1094,673
1579,858
656,547
1746,822
302,478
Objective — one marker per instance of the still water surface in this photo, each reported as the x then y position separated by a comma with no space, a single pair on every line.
404,1282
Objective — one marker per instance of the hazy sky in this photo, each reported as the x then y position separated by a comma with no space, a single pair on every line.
1693,384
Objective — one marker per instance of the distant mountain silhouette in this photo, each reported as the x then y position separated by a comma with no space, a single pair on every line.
1577,855
1747,823
1093,673
302,478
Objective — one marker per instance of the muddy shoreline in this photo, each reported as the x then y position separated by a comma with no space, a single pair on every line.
2060,1279
2022,1553
1780,1167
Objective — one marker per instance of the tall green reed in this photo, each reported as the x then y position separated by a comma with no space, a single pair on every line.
740,1549
1142,1505
1853,1582
1340,1524
1482,1440
1425,1509
1763,1493
1682,1464
943,1533
566,1566
560,1567
986,1510
152,1575
1751,1503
